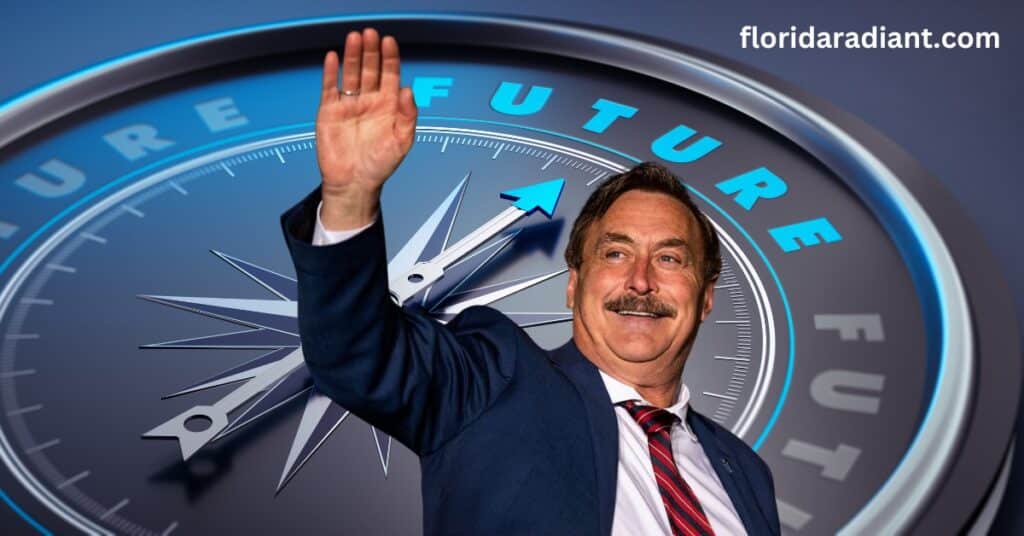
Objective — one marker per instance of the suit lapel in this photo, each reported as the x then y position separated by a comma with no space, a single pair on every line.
730,473
604,428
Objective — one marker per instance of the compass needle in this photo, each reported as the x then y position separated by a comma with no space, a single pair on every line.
216,416
541,196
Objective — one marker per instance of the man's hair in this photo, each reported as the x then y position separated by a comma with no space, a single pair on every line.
648,177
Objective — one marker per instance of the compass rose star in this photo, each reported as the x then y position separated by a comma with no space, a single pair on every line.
272,324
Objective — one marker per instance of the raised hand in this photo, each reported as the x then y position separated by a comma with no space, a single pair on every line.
364,130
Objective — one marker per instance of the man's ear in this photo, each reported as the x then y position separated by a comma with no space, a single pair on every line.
570,289
709,299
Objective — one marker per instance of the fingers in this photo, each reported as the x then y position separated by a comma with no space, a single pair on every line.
407,105
370,80
390,66
329,88
405,124
353,59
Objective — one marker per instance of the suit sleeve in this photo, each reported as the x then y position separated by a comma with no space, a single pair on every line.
417,380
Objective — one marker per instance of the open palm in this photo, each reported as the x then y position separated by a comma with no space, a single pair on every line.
364,130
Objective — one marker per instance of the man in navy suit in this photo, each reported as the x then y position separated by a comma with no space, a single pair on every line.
596,437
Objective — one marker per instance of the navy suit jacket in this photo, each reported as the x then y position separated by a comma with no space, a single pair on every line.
512,439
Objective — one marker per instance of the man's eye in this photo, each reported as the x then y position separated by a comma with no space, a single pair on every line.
670,259
614,254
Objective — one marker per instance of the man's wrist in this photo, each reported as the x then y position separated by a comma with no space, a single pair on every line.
326,237
353,209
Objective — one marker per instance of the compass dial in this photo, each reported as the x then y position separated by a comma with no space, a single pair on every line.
144,273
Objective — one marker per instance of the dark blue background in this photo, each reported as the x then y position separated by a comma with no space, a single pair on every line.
954,110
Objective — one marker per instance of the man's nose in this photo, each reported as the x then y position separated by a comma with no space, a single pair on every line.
640,279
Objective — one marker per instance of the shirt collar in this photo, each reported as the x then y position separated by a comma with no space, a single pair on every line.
619,392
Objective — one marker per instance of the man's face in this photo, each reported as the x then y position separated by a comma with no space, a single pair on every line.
638,296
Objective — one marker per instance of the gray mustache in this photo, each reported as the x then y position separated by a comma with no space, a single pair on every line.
645,304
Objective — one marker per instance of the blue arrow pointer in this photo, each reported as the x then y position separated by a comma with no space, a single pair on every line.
543,196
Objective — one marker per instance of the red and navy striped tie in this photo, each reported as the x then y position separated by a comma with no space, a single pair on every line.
685,515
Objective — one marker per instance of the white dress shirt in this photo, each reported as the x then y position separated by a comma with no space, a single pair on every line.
639,510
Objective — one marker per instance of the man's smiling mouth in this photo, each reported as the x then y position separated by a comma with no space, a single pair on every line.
638,313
